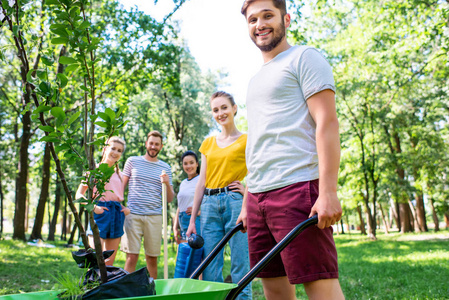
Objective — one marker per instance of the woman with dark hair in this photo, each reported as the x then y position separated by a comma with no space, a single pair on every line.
185,196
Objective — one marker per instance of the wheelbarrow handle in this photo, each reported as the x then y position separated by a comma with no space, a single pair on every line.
215,251
270,255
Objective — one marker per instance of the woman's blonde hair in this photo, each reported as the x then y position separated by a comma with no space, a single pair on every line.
114,139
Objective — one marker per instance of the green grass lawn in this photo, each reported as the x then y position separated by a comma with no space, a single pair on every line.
396,266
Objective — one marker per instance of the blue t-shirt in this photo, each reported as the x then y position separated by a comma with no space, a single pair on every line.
144,185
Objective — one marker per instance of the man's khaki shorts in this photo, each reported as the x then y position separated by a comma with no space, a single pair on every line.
138,226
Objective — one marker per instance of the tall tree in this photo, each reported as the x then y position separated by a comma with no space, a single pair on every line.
385,56
43,197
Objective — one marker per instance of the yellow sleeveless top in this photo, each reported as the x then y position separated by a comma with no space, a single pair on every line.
224,165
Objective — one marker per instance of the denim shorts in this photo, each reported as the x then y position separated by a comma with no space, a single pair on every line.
184,221
311,256
110,222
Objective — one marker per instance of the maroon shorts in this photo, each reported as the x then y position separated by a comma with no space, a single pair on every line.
271,215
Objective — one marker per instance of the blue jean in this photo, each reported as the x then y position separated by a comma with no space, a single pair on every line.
219,214
184,221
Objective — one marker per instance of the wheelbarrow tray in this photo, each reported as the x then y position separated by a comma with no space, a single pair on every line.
178,288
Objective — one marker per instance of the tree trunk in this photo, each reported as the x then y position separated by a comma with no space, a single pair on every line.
342,228
384,220
64,222
405,216
413,217
395,212
362,222
421,212
54,220
434,215
73,231
22,178
446,218
371,224
43,197
98,249
349,226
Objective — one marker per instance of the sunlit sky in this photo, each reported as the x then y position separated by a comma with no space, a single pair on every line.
216,34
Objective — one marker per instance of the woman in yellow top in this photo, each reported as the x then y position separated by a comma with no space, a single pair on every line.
219,191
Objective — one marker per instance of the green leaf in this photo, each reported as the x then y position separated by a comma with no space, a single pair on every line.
62,147
123,124
42,75
93,117
42,108
120,110
49,139
56,134
105,116
70,68
46,128
47,60
58,112
84,88
84,25
15,30
44,87
74,117
59,41
110,113
61,31
74,12
65,60
57,26
29,76
90,207
63,79
102,124
103,167
63,16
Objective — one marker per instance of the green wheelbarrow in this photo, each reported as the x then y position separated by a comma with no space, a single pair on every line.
191,288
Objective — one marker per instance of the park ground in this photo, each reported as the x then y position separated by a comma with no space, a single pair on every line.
396,266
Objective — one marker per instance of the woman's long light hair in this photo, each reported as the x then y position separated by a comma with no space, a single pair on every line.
114,139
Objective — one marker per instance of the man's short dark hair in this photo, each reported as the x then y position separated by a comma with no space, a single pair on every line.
279,4
156,134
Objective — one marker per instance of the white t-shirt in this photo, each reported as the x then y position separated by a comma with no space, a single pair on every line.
186,193
281,147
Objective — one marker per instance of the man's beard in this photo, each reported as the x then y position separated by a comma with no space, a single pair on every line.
277,38
152,156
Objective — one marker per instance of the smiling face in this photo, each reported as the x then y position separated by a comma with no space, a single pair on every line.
153,145
223,111
266,24
190,166
113,152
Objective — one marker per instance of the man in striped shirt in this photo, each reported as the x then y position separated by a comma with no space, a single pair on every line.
143,175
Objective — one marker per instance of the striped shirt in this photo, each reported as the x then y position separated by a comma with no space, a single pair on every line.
144,185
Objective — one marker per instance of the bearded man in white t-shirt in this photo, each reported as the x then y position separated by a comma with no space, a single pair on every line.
293,157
